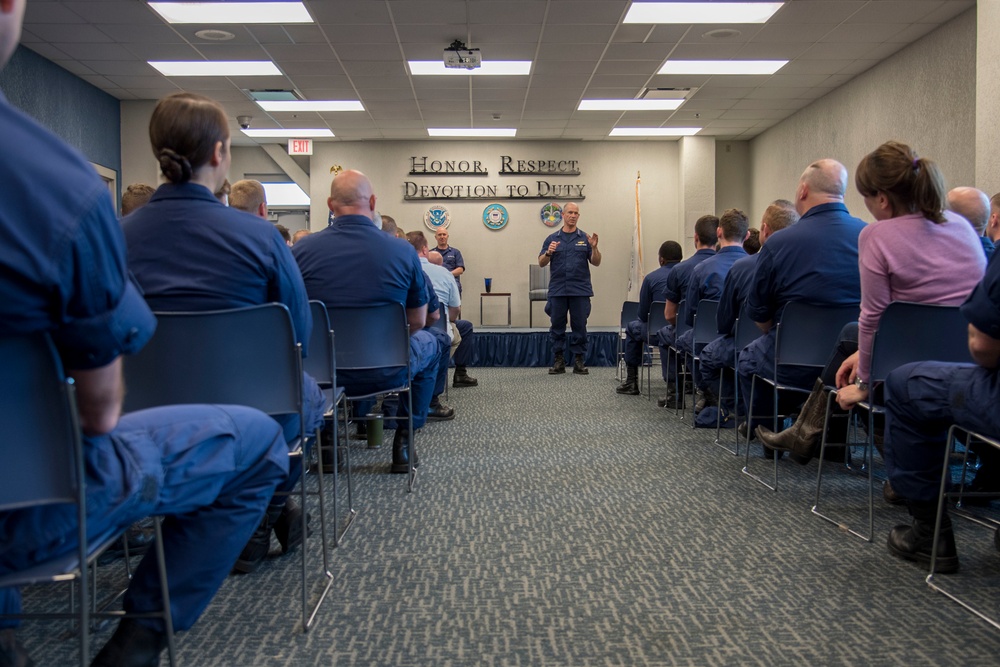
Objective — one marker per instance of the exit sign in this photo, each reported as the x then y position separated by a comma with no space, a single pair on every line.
300,146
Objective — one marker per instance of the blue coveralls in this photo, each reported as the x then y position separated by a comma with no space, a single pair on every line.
720,353
569,290
924,399
210,470
452,260
447,292
988,247
654,288
352,264
188,252
707,281
677,284
814,261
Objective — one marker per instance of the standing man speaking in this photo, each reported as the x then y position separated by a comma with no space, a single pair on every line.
570,251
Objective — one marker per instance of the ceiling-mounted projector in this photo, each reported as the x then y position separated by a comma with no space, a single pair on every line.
459,56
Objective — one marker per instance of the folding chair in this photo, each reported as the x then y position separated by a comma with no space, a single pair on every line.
680,372
656,322
358,350
705,330
805,336
243,356
321,366
538,287
42,450
630,311
944,493
745,332
907,332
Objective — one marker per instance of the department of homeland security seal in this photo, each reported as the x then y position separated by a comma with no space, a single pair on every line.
495,217
437,217
551,215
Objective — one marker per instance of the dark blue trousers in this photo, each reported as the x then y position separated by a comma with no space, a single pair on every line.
922,401
665,338
578,309
758,358
463,353
209,470
636,333
715,356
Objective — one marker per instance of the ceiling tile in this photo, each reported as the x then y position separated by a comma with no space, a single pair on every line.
502,34
36,13
562,53
344,34
157,51
82,51
300,52
891,11
46,50
143,33
862,32
348,12
424,12
582,34
122,67
801,13
57,33
705,51
644,68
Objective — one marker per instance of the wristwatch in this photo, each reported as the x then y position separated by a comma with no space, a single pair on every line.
863,386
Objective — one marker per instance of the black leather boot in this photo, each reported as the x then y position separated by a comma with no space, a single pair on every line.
132,645
400,453
288,526
463,379
631,384
578,367
559,365
257,548
706,399
802,437
913,542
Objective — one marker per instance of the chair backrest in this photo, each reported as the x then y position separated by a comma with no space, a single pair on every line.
39,430
656,320
746,330
538,282
630,311
320,364
807,333
442,321
909,332
243,356
705,328
371,337
682,324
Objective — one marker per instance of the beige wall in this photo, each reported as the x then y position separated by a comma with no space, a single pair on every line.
988,97
732,176
608,171
924,95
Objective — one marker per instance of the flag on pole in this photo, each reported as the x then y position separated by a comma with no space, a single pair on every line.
635,273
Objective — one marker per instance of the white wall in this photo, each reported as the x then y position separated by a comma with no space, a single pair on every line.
925,95
732,177
608,171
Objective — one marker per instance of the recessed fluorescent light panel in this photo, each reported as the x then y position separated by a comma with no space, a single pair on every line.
629,105
312,105
701,12
232,12
654,131
285,194
722,66
470,132
215,67
493,67
288,134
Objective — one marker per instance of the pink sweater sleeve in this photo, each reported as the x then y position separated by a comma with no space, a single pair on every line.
876,293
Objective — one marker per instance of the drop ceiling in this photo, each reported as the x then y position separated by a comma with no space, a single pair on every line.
581,49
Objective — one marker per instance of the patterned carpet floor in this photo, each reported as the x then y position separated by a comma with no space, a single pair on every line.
555,522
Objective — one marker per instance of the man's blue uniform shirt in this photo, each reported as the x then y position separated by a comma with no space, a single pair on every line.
569,264
734,293
677,281
654,288
452,259
814,261
708,278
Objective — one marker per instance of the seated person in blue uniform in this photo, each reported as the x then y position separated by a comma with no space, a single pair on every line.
814,261
654,288
707,280
753,242
570,251
209,470
705,236
922,401
973,205
352,264
720,353
188,252
461,345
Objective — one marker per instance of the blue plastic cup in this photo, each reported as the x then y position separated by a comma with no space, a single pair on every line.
489,285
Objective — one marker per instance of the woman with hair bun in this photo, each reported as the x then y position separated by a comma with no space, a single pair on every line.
190,252
915,251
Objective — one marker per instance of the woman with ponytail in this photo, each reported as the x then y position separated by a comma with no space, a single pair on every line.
190,252
914,251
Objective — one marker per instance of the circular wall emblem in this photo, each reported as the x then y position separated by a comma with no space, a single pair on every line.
495,216
437,217
551,215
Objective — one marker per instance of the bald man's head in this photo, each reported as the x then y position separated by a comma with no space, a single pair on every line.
434,257
971,204
823,182
351,194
